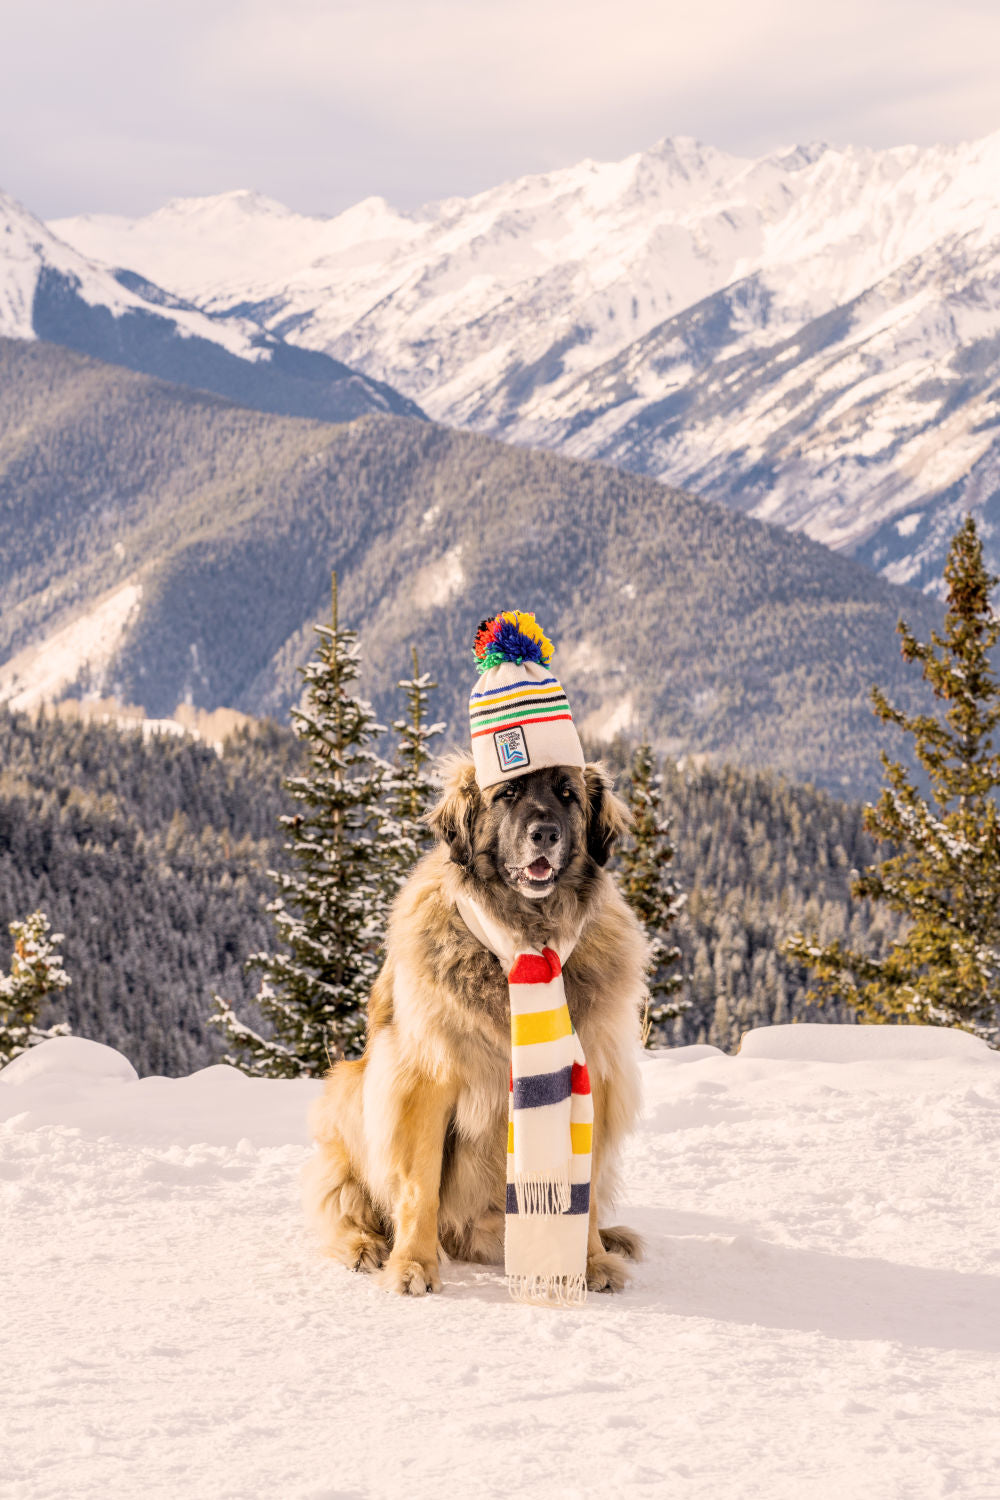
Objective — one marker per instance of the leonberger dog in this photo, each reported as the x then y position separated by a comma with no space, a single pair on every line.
412,1137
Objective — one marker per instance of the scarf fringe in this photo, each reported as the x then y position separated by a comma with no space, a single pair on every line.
555,1291
541,1193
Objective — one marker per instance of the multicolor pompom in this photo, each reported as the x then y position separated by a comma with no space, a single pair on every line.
511,636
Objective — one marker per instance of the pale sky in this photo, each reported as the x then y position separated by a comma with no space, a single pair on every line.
117,105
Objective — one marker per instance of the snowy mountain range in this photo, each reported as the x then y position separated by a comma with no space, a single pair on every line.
48,290
812,336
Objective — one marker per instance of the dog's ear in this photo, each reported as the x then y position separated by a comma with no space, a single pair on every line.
608,819
454,815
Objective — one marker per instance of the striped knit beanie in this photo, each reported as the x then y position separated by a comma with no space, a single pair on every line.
520,716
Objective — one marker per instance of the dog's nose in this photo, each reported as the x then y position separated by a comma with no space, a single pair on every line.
544,835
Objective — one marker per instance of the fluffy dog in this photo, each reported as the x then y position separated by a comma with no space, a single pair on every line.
412,1136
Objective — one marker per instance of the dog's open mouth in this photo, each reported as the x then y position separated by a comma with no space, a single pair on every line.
539,876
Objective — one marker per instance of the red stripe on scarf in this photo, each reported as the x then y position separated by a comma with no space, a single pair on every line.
535,968
580,1082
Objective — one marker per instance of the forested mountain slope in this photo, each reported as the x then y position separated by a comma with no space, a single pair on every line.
164,545
761,858
149,855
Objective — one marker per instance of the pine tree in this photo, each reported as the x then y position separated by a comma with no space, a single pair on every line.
722,1029
36,973
332,904
411,789
945,874
650,889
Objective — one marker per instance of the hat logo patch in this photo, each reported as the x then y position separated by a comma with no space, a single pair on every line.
511,748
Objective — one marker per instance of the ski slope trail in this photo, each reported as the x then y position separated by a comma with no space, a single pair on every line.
818,1313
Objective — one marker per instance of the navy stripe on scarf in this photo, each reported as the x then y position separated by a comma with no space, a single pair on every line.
579,1199
543,1088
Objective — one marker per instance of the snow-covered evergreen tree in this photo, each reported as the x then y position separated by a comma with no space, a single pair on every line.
945,875
650,889
332,904
36,973
411,789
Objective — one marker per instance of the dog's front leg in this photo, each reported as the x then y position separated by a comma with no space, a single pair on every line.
417,1146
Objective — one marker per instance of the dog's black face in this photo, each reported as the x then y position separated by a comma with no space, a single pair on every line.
533,834
534,825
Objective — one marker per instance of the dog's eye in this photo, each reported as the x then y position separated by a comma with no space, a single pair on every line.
566,793
509,792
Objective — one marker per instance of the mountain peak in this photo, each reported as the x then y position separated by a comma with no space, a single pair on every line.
688,150
793,158
245,201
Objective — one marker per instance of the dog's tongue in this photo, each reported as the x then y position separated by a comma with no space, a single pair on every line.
539,869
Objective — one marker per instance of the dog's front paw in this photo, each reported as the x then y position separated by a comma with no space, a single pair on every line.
367,1252
409,1277
623,1242
606,1272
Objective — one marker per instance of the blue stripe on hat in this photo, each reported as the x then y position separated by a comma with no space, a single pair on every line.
512,687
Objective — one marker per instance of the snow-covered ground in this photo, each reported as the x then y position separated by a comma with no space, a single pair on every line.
818,1315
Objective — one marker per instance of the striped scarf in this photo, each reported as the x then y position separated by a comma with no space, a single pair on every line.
549,1123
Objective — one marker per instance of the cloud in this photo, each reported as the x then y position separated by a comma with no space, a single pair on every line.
319,102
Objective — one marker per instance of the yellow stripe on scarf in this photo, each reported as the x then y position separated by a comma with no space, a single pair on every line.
581,1136
540,1026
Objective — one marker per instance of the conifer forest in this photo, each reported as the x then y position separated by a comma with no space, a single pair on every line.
151,855
237,893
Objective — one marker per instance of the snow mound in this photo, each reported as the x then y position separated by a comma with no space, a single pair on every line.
697,1052
814,1042
74,1055
63,1083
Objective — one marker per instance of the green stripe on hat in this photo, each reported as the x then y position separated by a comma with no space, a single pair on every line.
523,712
